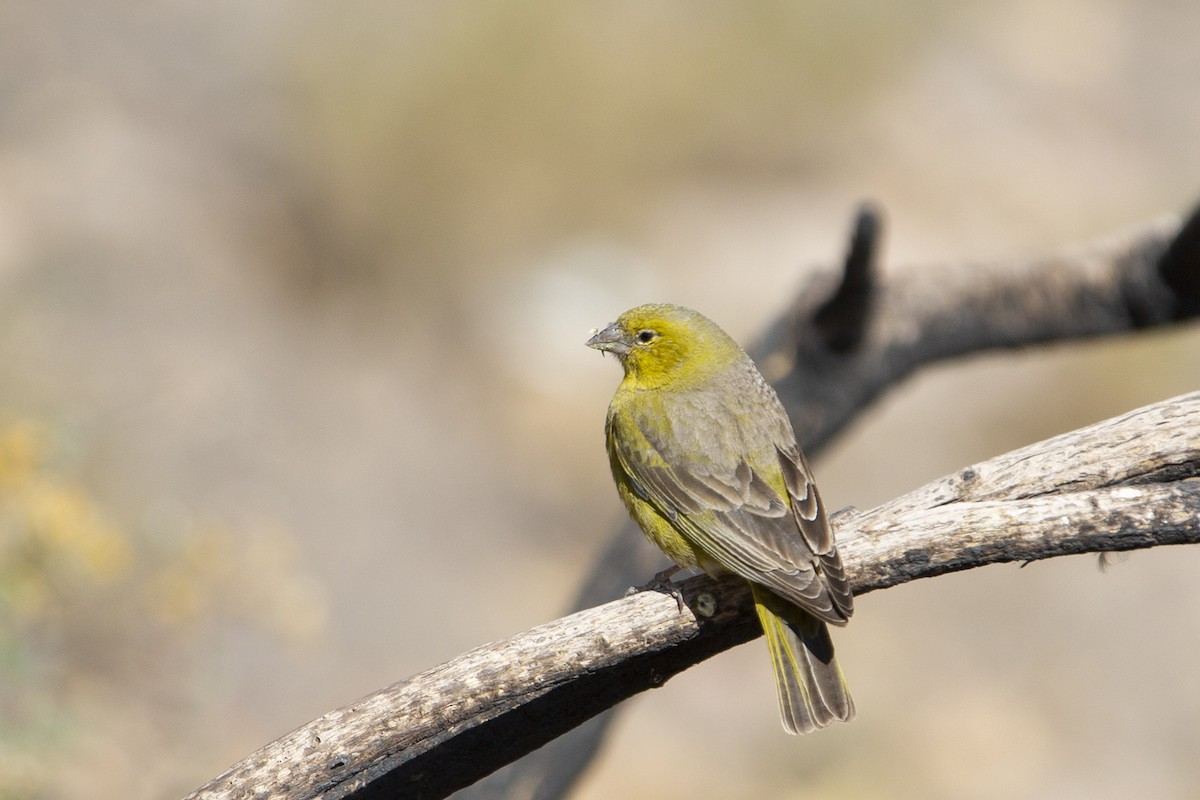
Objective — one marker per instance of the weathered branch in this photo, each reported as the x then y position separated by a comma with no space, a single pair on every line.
1130,482
847,339
832,352
924,315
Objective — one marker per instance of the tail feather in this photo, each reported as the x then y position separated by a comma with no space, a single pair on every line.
812,690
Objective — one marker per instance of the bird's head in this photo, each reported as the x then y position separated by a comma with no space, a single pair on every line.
659,344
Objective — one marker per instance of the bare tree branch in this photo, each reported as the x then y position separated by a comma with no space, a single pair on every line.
847,339
1130,482
1122,485
925,315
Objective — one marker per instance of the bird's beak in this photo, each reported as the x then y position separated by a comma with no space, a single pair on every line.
612,339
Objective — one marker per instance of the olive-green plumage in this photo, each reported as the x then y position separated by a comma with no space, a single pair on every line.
705,460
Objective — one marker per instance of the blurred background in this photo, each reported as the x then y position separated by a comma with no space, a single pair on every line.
294,401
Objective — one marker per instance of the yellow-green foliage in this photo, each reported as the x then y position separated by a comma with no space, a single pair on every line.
54,539
96,616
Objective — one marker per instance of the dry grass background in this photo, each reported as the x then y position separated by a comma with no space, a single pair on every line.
294,402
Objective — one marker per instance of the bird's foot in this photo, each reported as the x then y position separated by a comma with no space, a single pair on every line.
661,582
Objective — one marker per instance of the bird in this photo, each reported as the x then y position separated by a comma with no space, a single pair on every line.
706,462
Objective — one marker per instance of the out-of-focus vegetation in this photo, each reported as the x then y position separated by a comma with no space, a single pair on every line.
292,303
98,621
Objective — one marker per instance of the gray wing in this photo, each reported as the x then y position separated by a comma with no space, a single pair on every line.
729,507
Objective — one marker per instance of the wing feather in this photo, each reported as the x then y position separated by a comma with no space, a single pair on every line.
736,508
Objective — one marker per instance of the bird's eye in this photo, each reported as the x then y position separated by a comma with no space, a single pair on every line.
646,336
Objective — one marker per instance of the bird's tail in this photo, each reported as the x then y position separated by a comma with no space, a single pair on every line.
812,690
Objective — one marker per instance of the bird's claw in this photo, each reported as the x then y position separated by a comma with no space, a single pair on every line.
661,582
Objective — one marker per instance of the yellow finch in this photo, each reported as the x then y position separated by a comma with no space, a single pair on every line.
705,459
